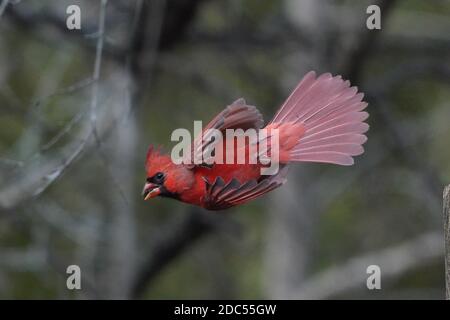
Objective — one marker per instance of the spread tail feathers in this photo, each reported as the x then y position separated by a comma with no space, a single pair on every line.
329,113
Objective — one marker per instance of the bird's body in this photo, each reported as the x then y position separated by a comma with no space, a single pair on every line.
321,121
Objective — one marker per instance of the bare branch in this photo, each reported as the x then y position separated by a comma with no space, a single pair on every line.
393,261
26,18
69,89
97,65
35,183
66,129
50,172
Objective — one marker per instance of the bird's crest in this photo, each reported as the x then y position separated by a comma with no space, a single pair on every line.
156,159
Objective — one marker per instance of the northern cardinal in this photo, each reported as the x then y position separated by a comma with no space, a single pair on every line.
321,121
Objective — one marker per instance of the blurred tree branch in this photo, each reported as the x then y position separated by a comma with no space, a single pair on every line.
180,236
393,261
365,43
27,18
3,6
180,14
385,85
177,239
157,26
33,184
36,182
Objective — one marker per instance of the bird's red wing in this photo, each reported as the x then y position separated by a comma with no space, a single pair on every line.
237,115
221,195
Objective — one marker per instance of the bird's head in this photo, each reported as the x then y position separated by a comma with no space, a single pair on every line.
165,178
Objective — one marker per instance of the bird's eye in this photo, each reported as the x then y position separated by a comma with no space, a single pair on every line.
159,177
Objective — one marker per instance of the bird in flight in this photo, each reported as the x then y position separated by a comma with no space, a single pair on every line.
321,121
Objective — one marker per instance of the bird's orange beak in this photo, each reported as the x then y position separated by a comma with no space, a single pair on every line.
150,190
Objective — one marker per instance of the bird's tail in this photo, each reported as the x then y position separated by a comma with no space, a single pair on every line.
322,121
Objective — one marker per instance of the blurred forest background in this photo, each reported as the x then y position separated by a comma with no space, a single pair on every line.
79,108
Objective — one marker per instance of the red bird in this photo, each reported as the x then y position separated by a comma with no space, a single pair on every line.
321,121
